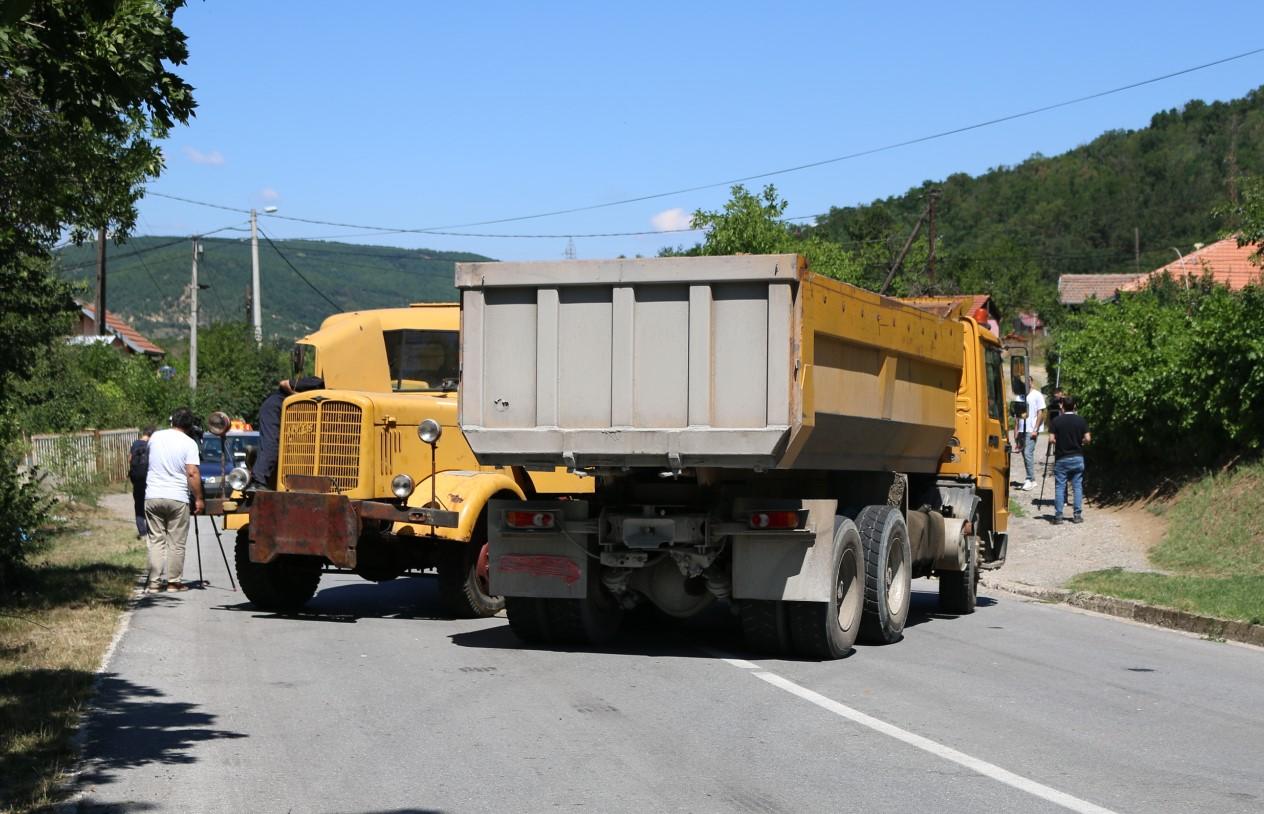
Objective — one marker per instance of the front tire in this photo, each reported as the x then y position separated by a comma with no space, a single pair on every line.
285,584
827,630
888,574
464,589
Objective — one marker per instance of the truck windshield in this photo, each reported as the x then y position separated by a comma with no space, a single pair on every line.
422,361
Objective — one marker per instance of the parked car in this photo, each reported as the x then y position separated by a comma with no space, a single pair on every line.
219,456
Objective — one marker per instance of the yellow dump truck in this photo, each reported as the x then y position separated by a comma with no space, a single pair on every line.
759,434
374,477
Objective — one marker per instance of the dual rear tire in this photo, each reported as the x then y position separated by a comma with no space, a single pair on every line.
870,597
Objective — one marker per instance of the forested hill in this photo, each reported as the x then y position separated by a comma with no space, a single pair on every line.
148,280
1013,230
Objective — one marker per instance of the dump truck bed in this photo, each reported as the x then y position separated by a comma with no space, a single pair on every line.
746,362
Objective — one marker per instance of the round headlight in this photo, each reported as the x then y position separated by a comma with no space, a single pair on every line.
402,486
238,478
429,431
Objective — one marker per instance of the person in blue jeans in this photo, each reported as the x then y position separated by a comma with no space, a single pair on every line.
1070,434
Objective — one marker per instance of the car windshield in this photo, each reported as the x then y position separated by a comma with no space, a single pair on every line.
213,447
422,361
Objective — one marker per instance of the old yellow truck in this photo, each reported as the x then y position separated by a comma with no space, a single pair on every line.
759,434
374,477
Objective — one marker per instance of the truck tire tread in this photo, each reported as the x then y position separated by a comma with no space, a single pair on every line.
765,625
285,584
877,626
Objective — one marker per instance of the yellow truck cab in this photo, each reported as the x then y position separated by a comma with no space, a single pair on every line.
374,476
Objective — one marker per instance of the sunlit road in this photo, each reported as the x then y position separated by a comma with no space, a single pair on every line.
369,705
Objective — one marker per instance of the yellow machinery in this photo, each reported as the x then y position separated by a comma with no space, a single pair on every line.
374,476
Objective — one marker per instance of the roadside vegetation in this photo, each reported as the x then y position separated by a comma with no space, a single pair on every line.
1213,552
53,630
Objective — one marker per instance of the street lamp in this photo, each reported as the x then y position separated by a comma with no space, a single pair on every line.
256,312
1184,271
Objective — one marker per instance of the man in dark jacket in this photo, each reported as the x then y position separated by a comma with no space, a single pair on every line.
1070,434
263,473
137,471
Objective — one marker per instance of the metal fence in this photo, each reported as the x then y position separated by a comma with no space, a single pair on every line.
82,456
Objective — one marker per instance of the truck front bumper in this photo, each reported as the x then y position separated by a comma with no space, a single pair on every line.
324,525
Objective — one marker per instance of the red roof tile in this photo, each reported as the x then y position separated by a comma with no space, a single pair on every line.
1228,264
943,306
129,335
1075,289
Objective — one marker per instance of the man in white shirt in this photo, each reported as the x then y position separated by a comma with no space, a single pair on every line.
1027,430
173,475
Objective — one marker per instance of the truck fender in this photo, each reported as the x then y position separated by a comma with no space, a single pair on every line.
463,491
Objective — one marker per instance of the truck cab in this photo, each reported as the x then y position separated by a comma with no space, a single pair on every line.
373,475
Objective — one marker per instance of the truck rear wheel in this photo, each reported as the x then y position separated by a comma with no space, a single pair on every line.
285,584
765,625
888,574
827,630
959,590
528,619
594,620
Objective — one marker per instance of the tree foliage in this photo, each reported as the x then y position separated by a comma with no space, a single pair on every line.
751,224
1168,375
1246,216
84,93
1012,231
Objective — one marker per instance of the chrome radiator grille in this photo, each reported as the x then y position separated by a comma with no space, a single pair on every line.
322,439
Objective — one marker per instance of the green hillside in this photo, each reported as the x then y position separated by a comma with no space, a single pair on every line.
1013,230
149,278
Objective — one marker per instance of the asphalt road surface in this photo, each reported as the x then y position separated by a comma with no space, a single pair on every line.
371,704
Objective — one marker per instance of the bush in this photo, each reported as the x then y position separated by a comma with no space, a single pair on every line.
26,509
1169,375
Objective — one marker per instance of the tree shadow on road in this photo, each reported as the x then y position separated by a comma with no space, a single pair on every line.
132,726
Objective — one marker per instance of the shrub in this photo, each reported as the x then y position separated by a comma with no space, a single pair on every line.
1169,374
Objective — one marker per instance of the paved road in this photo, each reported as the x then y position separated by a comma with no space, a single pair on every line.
369,705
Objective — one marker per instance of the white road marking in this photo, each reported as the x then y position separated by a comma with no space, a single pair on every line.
926,744
743,663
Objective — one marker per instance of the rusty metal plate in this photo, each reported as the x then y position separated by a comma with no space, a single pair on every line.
309,524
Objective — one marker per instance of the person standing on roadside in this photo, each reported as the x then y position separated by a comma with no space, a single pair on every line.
1028,430
137,471
1070,434
173,476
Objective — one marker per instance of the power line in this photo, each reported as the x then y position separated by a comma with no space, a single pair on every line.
758,176
310,284
146,249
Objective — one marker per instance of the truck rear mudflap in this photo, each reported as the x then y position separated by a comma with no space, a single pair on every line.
533,553
324,525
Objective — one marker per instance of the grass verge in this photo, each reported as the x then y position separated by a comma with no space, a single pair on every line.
53,630
1213,552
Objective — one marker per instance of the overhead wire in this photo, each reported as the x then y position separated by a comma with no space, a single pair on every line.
300,274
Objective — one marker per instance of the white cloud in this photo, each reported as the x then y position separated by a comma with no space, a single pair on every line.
269,195
671,219
213,158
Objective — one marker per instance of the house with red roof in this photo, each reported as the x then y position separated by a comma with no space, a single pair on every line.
118,333
1226,262
979,306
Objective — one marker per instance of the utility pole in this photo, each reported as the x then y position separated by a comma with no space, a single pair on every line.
899,258
1136,248
193,317
249,308
102,330
570,249
930,233
256,314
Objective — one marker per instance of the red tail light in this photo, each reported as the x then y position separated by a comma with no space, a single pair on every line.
774,520
530,520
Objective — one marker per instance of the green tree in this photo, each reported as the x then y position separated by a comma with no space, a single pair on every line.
1246,216
751,224
84,95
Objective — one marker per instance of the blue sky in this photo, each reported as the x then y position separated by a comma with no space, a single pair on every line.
417,115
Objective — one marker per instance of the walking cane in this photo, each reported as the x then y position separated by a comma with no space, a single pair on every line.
220,540
198,540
